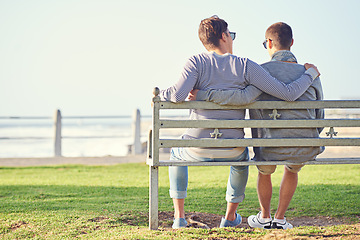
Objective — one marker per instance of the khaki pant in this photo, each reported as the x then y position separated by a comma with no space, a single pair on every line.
269,169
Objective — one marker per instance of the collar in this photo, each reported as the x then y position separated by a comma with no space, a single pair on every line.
214,53
284,56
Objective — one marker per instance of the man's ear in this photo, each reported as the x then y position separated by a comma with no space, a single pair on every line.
292,42
270,44
224,36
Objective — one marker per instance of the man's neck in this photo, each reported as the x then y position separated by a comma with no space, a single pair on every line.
220,50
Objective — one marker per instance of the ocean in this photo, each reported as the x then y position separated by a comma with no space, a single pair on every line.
81,137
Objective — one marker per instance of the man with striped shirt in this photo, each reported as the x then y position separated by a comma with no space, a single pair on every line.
218,68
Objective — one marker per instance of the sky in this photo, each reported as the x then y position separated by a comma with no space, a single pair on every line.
104,57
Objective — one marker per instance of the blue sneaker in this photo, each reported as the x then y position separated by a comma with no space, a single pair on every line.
179,223
226,223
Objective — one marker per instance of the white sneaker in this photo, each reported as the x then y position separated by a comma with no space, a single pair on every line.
281,224
256,221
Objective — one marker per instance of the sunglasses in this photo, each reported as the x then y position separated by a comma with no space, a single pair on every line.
264,43
232,35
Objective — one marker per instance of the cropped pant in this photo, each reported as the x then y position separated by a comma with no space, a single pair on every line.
237,181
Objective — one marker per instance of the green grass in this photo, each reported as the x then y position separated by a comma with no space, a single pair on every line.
109,202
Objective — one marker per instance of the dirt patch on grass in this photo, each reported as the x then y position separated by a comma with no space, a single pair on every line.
209,220
17,225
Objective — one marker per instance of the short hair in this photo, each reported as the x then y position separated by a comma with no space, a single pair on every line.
281,35
211,30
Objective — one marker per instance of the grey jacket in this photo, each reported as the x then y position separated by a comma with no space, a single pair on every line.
287,72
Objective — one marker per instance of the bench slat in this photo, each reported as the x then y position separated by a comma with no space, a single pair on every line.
264,105
318,161
259,142
308,123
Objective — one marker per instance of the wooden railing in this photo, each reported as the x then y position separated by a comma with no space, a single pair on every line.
58,129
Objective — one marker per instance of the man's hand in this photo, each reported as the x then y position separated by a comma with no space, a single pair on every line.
192,94
309,65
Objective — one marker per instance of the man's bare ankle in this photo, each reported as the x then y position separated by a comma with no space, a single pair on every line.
264,215
179,215
231,217
279,216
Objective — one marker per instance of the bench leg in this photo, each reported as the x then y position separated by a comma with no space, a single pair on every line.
153,198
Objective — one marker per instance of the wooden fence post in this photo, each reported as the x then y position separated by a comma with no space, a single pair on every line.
137,148
57,137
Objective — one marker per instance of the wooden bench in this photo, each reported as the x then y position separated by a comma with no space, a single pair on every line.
155,143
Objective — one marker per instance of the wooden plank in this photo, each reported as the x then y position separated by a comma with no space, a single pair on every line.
318,161
259,142
155,132
324,104
305,123
154,198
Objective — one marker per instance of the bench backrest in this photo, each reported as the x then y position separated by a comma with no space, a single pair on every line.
329,124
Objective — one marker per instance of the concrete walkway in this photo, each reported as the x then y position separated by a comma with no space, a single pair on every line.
331,152
51,161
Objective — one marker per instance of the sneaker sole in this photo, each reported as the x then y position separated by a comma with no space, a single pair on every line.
280,226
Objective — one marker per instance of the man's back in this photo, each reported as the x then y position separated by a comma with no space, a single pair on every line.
287,72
